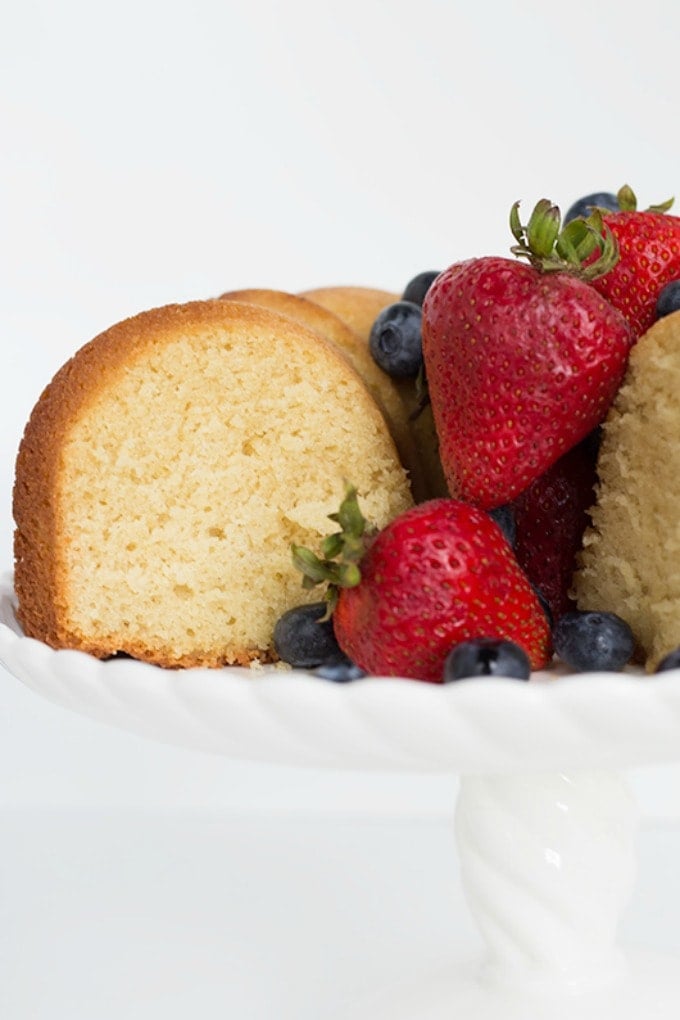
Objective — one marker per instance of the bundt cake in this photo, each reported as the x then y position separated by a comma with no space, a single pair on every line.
393,402
630,562
167,468
358,308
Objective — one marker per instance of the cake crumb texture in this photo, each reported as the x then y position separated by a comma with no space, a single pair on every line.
395,402
166,470
358,308
630,562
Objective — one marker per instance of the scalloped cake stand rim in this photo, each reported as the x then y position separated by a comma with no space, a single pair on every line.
490,725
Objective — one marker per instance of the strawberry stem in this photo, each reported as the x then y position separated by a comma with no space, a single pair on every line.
338,565
585,247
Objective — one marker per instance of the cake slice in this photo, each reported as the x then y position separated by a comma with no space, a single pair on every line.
394,402
167,468
630,563
359,307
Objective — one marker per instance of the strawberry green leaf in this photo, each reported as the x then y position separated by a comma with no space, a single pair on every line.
337,567
349,575
308,563
663,207
586,248
332,546
515,224
350,518
627,200
543,228
576,242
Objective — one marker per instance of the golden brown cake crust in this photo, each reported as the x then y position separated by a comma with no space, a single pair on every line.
357,306
39,527
37,580
299,308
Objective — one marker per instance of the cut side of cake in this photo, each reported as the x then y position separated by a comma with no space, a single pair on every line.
358,308
630,563
394,401
166,470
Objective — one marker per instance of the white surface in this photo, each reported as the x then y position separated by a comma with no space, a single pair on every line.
155,916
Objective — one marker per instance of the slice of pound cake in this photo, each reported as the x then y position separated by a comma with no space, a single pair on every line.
382,388
358,308
630,563
166,470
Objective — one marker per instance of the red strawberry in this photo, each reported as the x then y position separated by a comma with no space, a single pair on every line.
550,518
522,361
438,574
649,258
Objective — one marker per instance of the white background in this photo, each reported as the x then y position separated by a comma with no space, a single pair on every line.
159,152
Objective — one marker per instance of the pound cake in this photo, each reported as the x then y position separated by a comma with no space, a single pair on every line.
630,562
358,308
393,402
166,470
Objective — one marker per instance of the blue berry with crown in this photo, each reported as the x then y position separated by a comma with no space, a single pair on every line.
396,340
303,638
592,641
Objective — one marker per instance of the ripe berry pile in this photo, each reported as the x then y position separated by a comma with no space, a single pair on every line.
522,358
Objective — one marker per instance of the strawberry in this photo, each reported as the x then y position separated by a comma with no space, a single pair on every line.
649,258
550,518
438,574
522,361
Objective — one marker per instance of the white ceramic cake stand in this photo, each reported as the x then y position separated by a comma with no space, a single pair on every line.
545,823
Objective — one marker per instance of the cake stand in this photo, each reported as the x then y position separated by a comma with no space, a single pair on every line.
545,823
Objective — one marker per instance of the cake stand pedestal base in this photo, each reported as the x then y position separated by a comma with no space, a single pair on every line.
548,863
649,989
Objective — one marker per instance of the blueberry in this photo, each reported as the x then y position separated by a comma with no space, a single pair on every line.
504,516
417,288
303,639
396,340
668,300
584,206
670,661
486,657
593,641
340,670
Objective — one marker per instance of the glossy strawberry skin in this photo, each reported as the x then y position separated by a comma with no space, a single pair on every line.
438,574
550,518
649,258
521,365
